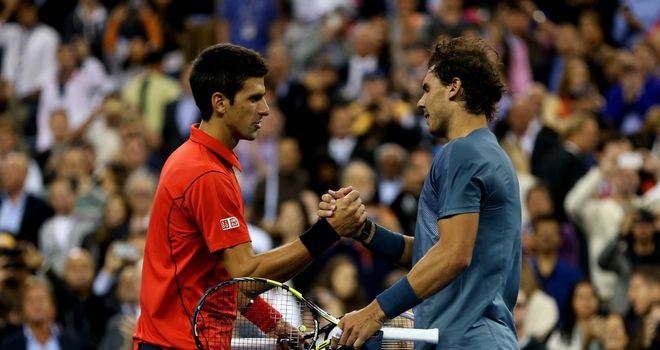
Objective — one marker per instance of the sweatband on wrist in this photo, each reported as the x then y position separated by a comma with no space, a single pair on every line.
397,299
387,244
365,233
262,315
319,237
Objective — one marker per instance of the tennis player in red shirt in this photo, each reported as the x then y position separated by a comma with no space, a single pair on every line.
197,234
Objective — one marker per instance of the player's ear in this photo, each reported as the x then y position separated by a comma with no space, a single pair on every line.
454,88
219,102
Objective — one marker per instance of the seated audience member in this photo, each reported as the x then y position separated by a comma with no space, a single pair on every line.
81,311
39,329
390,162
555,277
615,335
414,174
525,341
542,312
66,229
643,293
637,244
340,277
21,213
581,322
128,297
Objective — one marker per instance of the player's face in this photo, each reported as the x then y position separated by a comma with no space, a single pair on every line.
435,105
244,116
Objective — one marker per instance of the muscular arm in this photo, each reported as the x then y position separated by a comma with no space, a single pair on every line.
279,264
448,258
282,263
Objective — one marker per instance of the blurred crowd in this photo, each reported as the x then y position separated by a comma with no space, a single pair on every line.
94,97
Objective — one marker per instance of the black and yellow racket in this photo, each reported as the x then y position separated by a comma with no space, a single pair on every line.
256,313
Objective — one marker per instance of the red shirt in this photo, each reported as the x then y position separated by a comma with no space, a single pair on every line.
197,210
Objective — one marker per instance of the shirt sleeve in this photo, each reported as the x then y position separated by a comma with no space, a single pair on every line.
216,205
462,180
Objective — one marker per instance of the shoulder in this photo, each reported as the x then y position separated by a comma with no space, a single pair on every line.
14,340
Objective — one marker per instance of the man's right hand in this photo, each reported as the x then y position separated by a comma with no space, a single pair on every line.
344,211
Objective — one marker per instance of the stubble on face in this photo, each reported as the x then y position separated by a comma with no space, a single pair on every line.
248,110
433,105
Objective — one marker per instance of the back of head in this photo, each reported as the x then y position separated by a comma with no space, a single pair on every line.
476,64
223,68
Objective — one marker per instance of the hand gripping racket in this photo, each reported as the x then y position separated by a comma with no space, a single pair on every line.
256,313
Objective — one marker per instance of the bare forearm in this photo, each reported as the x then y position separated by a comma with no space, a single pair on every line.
435,270
279,264
406,257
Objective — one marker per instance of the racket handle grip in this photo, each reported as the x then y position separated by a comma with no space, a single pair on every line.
412,334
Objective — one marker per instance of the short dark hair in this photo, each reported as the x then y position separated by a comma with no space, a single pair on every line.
223,68
472,61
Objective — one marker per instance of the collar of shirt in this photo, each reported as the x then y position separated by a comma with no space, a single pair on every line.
33,343
206,140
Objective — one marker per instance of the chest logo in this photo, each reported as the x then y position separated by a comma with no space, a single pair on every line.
229,223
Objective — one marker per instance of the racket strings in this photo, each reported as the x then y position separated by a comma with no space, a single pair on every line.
251,314
402,321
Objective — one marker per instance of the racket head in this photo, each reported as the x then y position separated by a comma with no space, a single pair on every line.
254,313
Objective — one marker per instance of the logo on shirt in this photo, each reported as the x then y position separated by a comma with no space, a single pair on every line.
229,223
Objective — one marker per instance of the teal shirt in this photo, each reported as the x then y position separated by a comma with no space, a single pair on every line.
472,174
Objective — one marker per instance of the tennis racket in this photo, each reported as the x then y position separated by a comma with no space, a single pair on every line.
257,313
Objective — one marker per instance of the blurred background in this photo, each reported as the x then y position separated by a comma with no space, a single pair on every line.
94,97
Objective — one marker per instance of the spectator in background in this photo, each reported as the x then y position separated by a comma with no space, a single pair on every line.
600,217
638,88
250,24
39,330
21,213
288,181
66,229
539,203
643,293
131,26
651,333
405,204
380,116
448,19
567,162
28,56
259,157
87,22
77,167
62,139
343,144
113,227
542,311
11,109
12,284
615,335
633,19
577,93
116,335
555,277
366,46
307,108
150,92
525,341
582,322
10,142
637,244
101,129
340,277
390,161
139,191
75,88
568,44
180,115
80,310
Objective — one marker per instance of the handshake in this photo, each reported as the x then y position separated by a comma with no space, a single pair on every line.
344,211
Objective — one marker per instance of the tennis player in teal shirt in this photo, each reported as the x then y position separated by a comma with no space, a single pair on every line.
465,257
